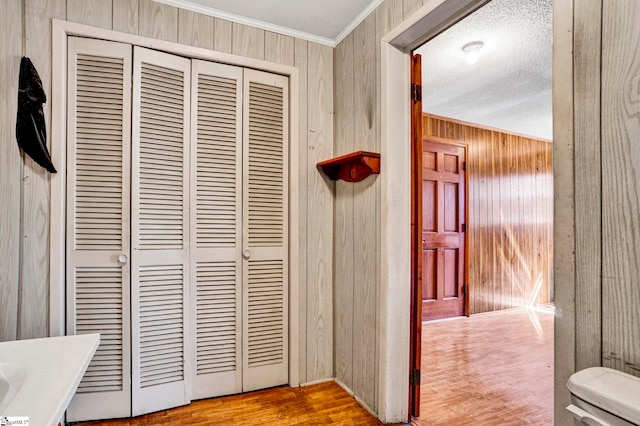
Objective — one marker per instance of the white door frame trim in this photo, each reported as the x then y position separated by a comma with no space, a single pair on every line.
395,252
63,29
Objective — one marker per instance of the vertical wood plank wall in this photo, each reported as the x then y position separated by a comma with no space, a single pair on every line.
24,186
357,84
510,202
620,162
596,158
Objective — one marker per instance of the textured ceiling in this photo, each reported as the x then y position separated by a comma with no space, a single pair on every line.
509,88
323,21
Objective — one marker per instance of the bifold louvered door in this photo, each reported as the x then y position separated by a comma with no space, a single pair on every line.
216,149
160,270
265,237
177,241
98,210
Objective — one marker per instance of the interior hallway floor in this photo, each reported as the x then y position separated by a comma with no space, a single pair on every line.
488,369
321,404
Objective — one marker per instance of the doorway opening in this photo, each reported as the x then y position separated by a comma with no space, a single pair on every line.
486,88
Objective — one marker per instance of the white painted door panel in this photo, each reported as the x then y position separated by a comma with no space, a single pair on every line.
216,181
265,302
160,231
98,210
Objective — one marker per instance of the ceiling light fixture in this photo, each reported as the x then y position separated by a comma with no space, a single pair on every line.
472,51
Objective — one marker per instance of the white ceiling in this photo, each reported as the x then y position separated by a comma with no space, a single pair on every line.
509,88
322,21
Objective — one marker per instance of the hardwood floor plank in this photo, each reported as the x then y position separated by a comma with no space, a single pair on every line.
488,369
321,404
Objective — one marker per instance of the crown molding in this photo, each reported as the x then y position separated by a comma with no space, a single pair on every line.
357,20
187,5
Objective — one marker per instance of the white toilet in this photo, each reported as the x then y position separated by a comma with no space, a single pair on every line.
601,396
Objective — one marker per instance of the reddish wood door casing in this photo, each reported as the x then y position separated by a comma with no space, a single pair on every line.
443,236
416,264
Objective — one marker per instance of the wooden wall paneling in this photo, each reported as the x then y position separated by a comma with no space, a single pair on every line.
533,213
529,217
320,215
479,204
344,142
505,273
278,48
496,231
97,13
508,181
195,29
10,168
542,251
410,6
474,170
247,41
487,244
301,62
223,35
514,249
525,223
157,20
517,255
526,192
388,16
34,255
364,215
125,16
512,230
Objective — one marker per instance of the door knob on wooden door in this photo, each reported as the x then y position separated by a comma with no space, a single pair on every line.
246,254
122,259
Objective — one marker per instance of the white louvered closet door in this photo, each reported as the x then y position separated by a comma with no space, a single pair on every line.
160,231
98,209
216,181
265,337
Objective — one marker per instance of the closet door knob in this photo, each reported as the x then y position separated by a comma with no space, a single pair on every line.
122,259
246,254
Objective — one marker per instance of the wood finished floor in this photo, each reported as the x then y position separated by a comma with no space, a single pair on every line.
321,404
490,369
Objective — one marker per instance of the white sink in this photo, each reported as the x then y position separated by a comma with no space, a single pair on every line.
11,379
38,377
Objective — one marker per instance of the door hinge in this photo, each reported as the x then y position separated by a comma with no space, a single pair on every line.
465,289
416,92
414,377
464,166
463,227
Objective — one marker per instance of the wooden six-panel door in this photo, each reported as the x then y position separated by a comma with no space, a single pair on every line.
443,233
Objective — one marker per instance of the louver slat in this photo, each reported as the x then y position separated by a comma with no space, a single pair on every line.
161,158
98,153
161,322
265,313
161,319
266,165
216,164
99,310
216,312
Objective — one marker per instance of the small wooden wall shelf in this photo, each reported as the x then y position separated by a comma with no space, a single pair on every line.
351,167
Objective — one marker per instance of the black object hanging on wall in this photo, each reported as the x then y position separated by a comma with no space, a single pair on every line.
31,131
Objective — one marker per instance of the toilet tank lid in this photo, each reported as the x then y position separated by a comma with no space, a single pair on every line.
608,389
